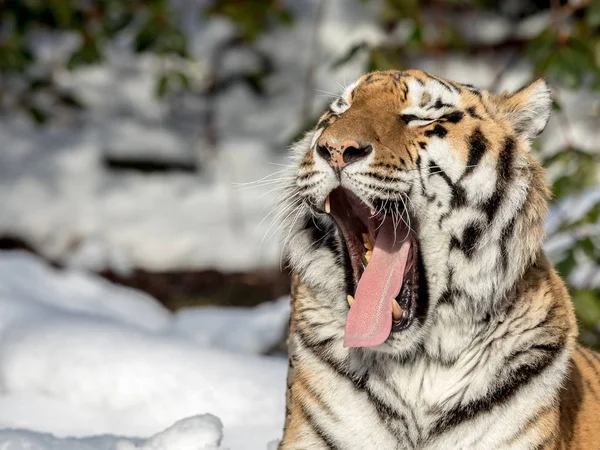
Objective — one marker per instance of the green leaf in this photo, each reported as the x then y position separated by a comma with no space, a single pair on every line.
145,38
349,55
566,266
587,306
183,79
38,115
592,14
68,99
587,245
593,214
87,54
162,86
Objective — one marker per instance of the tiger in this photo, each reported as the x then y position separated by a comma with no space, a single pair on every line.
424,312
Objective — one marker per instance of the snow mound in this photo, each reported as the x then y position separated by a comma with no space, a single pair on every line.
194,433
82,357
202,432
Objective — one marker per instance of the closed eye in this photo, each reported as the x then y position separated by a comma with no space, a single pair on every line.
416,121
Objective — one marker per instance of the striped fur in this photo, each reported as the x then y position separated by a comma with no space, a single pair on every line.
491,360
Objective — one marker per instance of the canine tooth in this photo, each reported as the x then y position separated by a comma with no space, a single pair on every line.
367,241
372,212
327,205
350,299
397,312
368,255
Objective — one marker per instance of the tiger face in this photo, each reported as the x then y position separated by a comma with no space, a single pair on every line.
414,205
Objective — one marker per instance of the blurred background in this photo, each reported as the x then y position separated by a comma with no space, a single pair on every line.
141,271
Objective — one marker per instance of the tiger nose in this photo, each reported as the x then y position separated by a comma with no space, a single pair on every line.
340,154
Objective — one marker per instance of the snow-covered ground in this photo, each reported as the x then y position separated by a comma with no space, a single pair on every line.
81,357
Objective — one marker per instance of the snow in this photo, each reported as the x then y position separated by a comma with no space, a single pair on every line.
203,432
194,433
82,357
251,330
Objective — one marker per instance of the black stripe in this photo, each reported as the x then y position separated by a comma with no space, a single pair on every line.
459,195
590,363
412,159
438,131
509,229
453,117
306,176
388,415
544,444
322,233
325,121
550,347
478,144
385,166
592,389
421,180
439,104
505,389
380,177
321,404
504,175
528,426
447,297
471,111
319,350
408,118
444,83
319,431
594,355
422,310
470,239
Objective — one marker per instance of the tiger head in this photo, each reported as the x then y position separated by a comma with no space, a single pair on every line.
414,206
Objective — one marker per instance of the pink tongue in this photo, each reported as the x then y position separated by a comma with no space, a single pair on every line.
369,321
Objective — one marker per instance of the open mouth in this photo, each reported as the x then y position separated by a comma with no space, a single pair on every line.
383,256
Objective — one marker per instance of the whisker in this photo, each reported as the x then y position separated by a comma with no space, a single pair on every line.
331,94
288,238
289,166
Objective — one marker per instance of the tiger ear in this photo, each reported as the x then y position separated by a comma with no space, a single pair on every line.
528,109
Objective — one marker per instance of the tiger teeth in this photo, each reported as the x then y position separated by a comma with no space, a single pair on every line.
327,205
367,241
396,310
350,300
372,212
368,255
